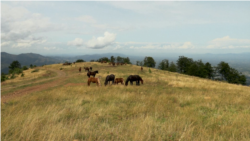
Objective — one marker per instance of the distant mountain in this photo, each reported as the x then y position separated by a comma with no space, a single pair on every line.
25,60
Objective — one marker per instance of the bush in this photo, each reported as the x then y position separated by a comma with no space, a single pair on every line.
61,68
80,60
12,76
36,70
3,77
149,70
25,68
22,75
16,71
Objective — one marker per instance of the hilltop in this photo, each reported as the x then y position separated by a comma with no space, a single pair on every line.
55,103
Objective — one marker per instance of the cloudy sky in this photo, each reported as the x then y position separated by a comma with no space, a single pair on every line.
136,28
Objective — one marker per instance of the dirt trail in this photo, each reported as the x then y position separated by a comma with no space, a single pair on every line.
60,75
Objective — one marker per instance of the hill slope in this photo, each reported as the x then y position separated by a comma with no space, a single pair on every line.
168,106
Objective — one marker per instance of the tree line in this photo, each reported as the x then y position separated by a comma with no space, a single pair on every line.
188,66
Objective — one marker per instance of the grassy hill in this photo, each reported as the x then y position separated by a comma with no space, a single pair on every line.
168,106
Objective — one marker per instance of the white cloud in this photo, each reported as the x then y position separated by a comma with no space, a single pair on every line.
187,45
95,43
86,18
19,26
76,42
228,43
101,42
28,42
3,44
51,48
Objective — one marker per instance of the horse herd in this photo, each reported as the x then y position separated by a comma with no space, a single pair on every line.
112,78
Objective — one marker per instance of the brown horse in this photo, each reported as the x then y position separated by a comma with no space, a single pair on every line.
80,69
86,68
119,80
113,64
94,80
141,68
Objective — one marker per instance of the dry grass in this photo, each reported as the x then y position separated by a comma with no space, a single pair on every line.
169,106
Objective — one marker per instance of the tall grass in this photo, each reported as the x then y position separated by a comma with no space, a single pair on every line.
168,106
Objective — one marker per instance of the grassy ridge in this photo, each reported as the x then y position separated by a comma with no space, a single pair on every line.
169,106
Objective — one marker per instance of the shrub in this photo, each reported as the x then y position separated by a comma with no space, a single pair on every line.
61,68
22,75
36,70
3,77
12,76
149,70
25,68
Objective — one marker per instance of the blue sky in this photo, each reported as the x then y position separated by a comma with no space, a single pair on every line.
136,28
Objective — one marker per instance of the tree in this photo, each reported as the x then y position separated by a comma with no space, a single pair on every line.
31,66
126,60
172,67
149,62
223,69
164,65
183,63
80,60
15,64
112,59
210,71
137,63
119,59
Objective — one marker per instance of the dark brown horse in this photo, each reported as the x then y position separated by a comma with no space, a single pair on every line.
92,73
119,80
109,78
80,69
94,80
132,78
141,68
113,64
86,68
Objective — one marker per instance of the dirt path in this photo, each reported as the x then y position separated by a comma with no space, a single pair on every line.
60,77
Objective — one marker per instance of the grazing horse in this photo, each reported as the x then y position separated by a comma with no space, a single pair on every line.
113,64
94,80
80,69
110,63
86,68
110,77
92,73
90,68
132,78
119,80
117,64
141,68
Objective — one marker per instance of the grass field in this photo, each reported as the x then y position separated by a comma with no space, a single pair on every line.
168,106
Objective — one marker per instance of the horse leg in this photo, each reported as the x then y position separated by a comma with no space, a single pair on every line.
131,82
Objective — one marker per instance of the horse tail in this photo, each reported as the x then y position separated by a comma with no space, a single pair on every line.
99,81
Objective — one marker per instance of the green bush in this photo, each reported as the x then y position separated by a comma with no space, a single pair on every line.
22,75
36,70
3,77
149,70
12,76
25,68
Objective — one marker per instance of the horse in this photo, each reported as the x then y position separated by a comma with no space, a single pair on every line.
125,63
132,78
119,80
86,68
92,73
110,77
80,69
117,64
90,68
113,64
141,68
94,80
